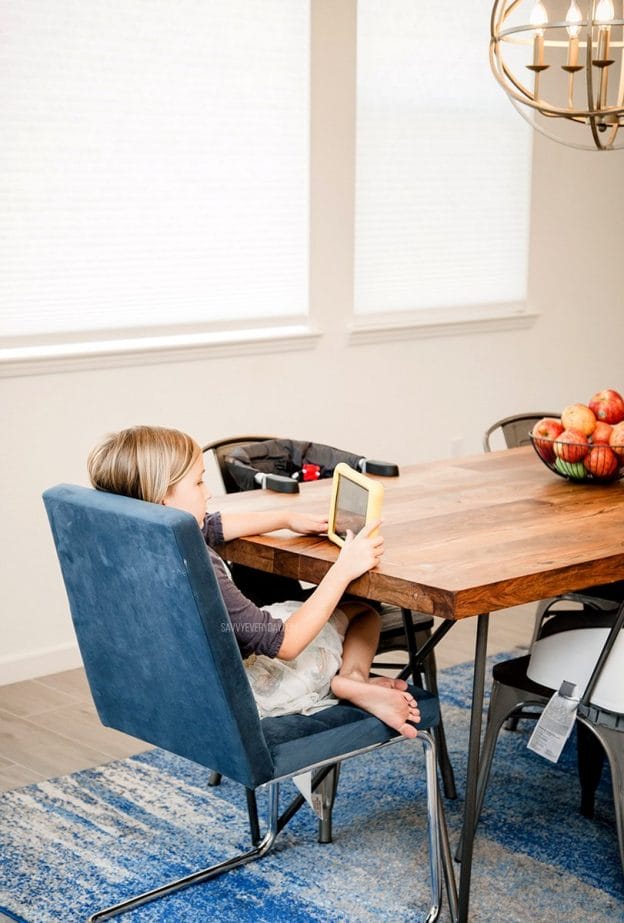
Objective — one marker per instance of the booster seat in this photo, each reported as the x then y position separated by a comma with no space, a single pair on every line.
279,464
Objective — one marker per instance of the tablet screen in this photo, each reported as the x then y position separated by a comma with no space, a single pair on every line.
351,506
356,500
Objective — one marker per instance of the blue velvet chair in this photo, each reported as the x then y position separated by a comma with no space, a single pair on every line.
164,667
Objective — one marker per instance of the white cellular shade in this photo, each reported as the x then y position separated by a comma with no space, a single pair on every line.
153,164
443,162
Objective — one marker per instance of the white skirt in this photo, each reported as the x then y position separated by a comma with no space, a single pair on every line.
302,685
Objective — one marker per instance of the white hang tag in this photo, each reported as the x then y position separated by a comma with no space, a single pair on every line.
555,723
315,799
304,783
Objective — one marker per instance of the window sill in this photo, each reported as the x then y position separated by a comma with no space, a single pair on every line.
101,354
382,328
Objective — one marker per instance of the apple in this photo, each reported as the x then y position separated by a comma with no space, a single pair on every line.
571,445
574,470
617,439
608,406
602,433
601,461
578,417
544,434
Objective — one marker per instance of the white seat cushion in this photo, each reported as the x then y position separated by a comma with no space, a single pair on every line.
571,655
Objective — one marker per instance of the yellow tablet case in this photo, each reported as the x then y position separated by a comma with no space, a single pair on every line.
356,500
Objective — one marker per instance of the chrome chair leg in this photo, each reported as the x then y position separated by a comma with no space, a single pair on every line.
204,874
435,829
447,865
444,760
327,790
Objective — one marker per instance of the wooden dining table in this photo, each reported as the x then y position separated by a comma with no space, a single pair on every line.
463,537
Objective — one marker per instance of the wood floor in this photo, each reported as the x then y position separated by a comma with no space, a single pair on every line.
48,726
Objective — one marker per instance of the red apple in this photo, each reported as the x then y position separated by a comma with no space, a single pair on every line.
617,439
571,445
608,406
578,417
602,433
544,433
601,461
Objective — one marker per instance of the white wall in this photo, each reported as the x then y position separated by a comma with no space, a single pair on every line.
404,400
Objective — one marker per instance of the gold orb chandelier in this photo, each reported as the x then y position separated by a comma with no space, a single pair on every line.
562,66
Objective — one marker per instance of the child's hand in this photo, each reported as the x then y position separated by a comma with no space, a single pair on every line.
361,552
306,523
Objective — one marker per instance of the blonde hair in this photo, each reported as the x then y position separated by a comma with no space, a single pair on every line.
142,462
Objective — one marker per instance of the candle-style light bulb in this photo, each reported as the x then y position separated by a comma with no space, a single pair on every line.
605,12
539,17
574,17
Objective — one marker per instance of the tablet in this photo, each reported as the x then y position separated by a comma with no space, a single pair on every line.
355,501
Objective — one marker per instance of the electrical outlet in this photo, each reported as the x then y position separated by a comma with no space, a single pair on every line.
457,446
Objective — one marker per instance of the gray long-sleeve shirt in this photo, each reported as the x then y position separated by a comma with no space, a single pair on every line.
256,630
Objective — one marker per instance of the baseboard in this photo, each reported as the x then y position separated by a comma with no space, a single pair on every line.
39,663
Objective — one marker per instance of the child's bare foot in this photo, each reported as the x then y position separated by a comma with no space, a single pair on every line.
394,707
389,681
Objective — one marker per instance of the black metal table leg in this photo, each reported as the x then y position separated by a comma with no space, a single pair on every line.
472,771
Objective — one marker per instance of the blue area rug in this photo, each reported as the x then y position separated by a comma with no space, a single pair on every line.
78,843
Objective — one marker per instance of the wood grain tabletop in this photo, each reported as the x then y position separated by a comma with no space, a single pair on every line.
462,536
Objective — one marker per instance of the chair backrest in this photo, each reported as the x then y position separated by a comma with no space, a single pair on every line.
155,637
220,448
569,647
514,430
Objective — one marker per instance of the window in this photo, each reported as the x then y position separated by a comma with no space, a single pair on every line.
154,167
443,166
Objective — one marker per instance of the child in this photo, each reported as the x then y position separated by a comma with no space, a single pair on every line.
302,650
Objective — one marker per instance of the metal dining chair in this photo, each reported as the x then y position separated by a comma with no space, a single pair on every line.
514,695
600,722
149,620
514,430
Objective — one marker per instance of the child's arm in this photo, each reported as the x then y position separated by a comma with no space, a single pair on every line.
358,554
236,525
